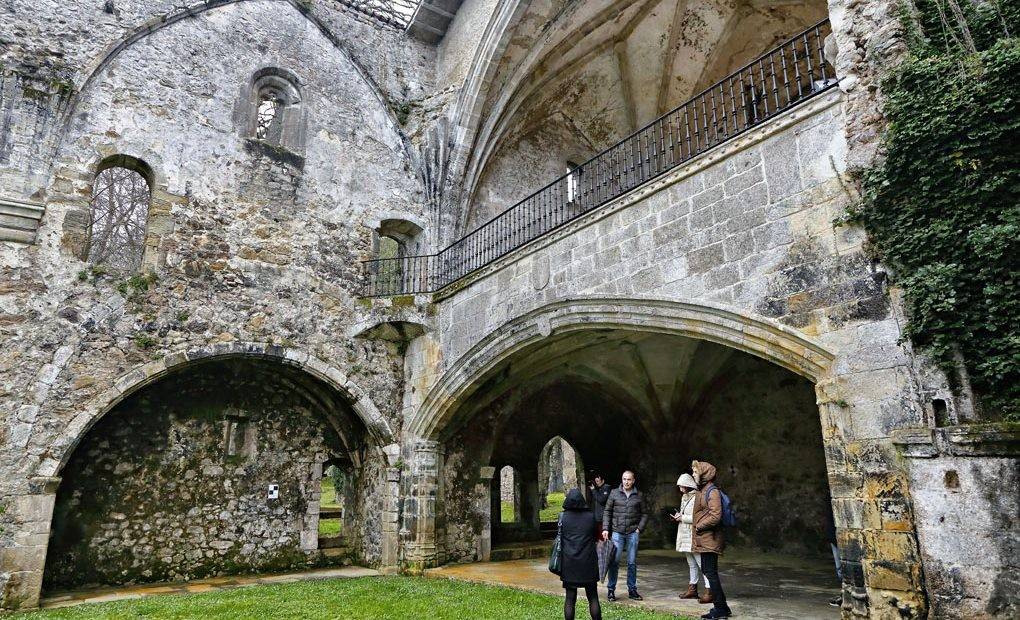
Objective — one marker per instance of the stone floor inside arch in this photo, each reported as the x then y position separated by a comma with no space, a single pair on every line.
304,288
761,585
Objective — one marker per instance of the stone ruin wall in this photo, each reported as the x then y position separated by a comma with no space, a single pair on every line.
274,259
251,245
246,243
169,487
751,232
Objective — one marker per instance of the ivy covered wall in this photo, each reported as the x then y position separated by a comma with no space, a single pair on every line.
943,207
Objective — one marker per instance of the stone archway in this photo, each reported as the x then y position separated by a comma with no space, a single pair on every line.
507,357
839,401
147,374
758,336
322,382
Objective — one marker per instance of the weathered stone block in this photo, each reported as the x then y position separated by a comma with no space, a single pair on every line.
704,259
899,547
891,575
744,180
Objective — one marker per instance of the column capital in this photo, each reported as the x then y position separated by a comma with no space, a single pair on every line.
427,445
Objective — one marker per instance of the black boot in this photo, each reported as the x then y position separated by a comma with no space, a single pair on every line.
612,595
633,594
717,612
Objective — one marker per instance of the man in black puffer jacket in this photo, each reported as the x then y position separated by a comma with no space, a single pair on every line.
623,520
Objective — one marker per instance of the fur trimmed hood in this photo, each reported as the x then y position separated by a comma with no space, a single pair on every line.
704,472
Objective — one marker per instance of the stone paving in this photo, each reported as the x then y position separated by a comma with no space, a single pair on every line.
760,586
107,594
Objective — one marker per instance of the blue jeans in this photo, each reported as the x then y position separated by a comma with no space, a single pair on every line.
631,542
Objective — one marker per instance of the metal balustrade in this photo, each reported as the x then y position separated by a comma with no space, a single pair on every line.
767,86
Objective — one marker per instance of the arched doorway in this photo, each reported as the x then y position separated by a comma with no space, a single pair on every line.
633,388
216,467
560,468
651,403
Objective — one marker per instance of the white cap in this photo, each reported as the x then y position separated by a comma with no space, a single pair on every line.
686,480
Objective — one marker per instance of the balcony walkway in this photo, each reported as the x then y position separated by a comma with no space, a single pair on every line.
769,86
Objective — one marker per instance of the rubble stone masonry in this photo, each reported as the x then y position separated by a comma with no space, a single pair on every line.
243,332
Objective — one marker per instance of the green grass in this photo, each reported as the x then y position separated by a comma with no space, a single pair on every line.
352,599
506,512
552,511
329,527
328,499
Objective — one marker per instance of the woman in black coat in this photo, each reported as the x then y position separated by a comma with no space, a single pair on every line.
580,567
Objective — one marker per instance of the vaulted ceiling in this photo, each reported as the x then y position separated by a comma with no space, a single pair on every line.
590,73
655,379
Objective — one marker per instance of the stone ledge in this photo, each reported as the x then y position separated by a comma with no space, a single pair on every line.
19,220
1000,439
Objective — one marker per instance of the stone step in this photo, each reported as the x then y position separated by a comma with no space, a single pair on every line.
332,542
330,512
520,552
335,552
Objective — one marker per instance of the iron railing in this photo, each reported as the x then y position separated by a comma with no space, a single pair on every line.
404,275
769,85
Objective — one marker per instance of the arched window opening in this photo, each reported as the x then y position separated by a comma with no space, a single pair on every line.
396,240
268,115
277,114
118,215
509,495
399,238
559,470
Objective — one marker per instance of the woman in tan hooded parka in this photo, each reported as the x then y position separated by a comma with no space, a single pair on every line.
708,534
685,538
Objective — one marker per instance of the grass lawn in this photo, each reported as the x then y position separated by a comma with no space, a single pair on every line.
328,499
363,598
506,512
550,513
329,527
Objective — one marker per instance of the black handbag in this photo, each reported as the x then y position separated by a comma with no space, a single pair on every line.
556,556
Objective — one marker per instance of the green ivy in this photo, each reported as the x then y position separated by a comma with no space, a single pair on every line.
942,209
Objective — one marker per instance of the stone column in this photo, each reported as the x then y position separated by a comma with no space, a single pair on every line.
530,506
484,504
312,490
390,558
872,510
22,563
422,506
391,519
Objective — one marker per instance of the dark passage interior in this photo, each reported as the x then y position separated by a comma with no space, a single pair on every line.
215,469
651,403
